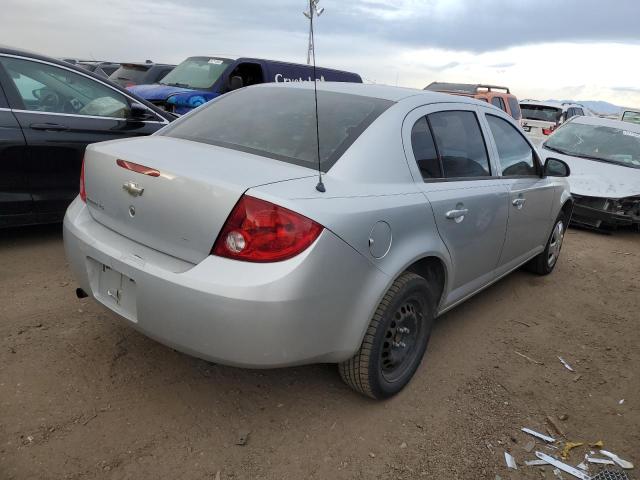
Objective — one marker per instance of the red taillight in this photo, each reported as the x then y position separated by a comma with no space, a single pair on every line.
548,131
259,231
136,167
83,191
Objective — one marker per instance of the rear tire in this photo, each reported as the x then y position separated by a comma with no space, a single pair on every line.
395,341
545,262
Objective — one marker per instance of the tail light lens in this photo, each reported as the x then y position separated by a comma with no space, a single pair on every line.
83,191
548,131
259,231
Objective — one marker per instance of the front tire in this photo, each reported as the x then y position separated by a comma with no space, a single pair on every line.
395,341
545,262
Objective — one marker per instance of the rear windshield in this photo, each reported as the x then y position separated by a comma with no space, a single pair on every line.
280,123
540,112
134,73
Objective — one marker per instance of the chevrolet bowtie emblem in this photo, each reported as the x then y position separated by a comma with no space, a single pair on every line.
133,189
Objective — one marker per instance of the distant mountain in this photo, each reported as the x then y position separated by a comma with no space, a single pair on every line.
597,106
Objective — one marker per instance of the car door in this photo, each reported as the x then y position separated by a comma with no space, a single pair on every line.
60,112
15,198
469,202
530,194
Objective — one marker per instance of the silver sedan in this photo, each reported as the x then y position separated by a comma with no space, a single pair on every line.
215,236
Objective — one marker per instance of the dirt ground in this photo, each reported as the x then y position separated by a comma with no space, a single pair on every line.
84,396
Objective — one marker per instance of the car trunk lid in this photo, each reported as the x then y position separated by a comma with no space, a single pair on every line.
181,201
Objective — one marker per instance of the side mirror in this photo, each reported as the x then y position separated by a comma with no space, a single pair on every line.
236,82
140,113
556,168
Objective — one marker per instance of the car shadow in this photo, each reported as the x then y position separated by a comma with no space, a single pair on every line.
30,235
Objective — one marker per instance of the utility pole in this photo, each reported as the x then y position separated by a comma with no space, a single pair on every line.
313,10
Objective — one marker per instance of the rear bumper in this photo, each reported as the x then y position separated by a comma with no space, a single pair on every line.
309,309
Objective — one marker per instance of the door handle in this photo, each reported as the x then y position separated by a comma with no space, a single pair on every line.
518,202
52,127
457,215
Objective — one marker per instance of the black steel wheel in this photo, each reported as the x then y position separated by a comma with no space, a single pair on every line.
395,341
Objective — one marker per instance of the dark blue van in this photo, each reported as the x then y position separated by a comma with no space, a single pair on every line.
200,79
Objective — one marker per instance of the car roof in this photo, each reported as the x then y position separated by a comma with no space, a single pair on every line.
607,122
629,109
542,104
384,92
466,88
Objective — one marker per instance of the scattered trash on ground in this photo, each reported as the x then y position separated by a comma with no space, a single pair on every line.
563,466
610,475
243,437
511,463
598,444
566,365
541,436
528,358
600,461
568,446
623,463
621,402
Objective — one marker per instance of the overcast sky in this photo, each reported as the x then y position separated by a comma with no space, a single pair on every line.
578,49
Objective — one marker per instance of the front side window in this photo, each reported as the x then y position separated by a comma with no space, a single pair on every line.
424,150
197,72
631,116
280,123
460,144
515,154
46,88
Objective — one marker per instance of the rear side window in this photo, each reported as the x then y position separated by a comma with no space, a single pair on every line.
280,123
515,154
580,112
497,101
515,108
133,73
460,144
424,150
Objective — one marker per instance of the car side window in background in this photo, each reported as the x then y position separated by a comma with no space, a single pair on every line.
46,88
580,112
460,144
497,101
515,108
424,150
516,156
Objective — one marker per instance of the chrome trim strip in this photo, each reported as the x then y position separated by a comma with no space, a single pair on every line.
31,59
38,112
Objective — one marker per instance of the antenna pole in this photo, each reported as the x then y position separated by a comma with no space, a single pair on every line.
311,55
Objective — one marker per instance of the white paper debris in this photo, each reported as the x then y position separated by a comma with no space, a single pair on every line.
541,436
621,402
566,365
563,466
600,461
623,463
534,463
511,463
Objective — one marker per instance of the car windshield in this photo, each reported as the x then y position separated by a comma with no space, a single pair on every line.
197,72
597,142
280,123
540,112
631,116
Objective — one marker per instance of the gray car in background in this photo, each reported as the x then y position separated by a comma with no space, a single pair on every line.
212,236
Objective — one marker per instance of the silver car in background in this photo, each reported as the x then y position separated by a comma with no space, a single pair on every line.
211,236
